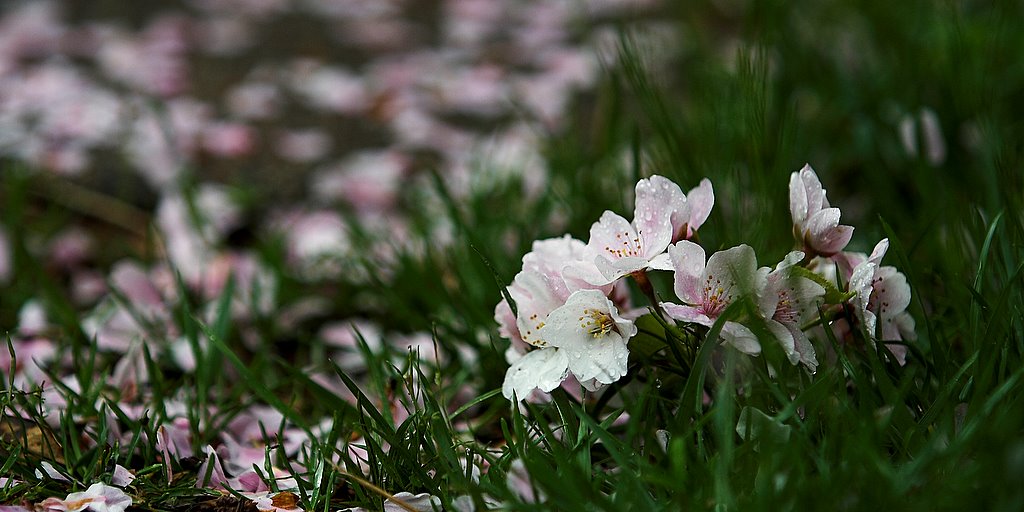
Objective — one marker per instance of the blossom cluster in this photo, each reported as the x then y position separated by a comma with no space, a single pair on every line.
568,314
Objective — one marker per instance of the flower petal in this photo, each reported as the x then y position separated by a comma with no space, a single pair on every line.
542,369
604,359
741,338
686,314
699,203
658,200
688,262
734,270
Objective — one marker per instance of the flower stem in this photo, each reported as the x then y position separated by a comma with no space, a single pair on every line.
647,288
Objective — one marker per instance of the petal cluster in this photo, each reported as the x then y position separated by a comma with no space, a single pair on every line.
815,223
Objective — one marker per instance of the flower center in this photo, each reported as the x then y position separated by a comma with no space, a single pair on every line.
787,311
596,322
629,245
716,296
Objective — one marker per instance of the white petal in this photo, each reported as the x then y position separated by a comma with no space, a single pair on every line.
612,270
733,271
797,199
785,339
572,324
741,338
657,199
613,237
605,360
660,262
860,283
421,502
542,369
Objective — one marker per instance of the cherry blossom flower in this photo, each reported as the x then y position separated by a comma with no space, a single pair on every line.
586,336
881,297
815,224
708,289
689,212
789,301
618,248
98,497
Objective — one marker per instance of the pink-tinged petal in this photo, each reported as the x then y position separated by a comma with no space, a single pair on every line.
51,505
506,321
813,190
131,280
548,258
788,297
804,348
98,497
699,202
785,338
797,199
861,285
122,477
688,262
613,238
899,351
892,291
535,298
879,251
658,200
834,240
824,235
905,325
686,314
542,369
822,221
741,338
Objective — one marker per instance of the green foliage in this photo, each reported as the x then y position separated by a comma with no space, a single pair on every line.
755,90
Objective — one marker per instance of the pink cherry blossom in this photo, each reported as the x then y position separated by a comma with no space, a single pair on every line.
881,297
707,289
618,248
815,224
98,497
789,302
585,336
688,212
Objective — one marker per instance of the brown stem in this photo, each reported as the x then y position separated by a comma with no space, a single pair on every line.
647,288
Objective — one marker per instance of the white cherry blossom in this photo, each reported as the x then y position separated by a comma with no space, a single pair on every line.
618,248
790,301
586,336
815,223
707,289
